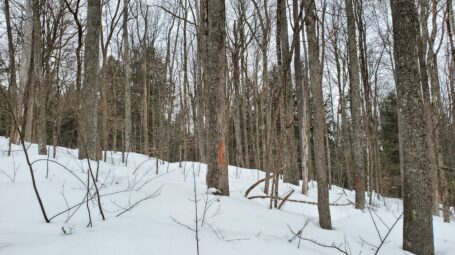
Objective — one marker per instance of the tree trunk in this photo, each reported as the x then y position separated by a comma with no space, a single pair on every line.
306,119
38,81
215,80
345,126
371,164
359,164
25,82
89,92
429,122
319,116
418,224
14,134
291,172
237,99
145,108
201,39
302,99
127,70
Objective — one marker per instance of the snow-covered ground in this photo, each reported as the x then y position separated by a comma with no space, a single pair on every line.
163,214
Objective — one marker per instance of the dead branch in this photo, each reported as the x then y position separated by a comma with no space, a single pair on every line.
256,184
298,235
285,199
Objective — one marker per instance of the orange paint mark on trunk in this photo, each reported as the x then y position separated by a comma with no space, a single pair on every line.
220,160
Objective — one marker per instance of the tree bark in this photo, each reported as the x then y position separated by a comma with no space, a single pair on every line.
199,97
215,80
89,91
418,224
25,82
302,99
422,45
127,70
14,134
291,172
38,82
368,115
237,106
319,116
359,164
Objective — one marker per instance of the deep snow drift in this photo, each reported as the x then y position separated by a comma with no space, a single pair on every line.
162,217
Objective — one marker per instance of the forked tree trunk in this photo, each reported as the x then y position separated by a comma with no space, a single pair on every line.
291,173
302,102
422,52
368,115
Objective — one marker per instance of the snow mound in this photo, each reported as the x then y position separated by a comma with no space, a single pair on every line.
157,207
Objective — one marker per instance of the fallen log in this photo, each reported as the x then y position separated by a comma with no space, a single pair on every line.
296,201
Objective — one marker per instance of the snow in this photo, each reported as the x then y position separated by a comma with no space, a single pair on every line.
162,220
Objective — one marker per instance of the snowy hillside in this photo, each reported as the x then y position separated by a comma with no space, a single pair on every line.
152,211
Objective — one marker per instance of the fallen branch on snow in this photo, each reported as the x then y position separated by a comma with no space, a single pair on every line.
257,183
296,201
298,236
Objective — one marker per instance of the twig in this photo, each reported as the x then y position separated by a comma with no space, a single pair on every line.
21,136
196,213
388,233
108,194
175,15
64,167
90,172
181,224
155,194
88,207
332,246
